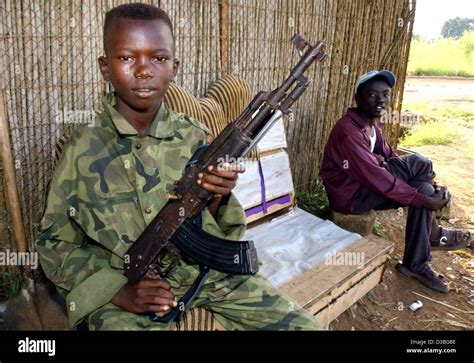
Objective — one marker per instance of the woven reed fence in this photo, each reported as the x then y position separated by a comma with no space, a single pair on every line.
51,81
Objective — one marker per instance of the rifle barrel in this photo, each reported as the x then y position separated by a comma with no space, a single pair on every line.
274,99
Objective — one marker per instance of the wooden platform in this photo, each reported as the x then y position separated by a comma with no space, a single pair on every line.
326,290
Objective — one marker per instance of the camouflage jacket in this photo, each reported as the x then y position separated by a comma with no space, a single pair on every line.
108,185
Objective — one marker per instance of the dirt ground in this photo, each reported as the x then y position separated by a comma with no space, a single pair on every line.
386,306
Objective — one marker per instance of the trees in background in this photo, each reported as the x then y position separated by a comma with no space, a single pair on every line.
454,28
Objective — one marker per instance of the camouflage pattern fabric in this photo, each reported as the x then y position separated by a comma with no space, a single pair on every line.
236,302
108,185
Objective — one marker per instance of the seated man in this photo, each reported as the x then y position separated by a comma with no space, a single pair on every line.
361,172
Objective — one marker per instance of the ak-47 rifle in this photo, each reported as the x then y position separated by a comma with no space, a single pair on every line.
172,232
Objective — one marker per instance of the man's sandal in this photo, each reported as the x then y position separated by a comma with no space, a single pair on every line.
451,239
426,276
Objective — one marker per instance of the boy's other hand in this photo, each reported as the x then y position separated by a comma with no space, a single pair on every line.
146,295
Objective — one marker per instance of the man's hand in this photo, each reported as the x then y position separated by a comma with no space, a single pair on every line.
146,295
437,201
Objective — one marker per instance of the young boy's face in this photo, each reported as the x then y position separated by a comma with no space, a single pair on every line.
139,63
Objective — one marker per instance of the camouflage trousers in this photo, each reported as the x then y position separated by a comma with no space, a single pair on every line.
236,302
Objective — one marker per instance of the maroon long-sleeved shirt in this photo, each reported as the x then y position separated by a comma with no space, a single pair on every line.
348,164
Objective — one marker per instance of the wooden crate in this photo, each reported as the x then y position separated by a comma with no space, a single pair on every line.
326,291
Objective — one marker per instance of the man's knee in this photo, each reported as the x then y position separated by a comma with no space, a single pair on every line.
421,163
426,189
423,160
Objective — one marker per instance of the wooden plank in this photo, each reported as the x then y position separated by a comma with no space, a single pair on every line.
270,210
270,152
224,34
337,290
259,203
13,200
317,283
349,297
403,151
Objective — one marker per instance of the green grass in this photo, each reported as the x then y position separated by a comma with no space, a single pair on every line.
11,286
430,133
442,57
315,203
442,112
378,230
462,114
438,123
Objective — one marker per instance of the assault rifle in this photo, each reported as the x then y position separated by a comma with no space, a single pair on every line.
173,232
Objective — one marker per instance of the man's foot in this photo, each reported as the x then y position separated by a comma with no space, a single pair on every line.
451,239
426,276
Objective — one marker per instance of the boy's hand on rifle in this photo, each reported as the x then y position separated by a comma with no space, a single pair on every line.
220,180
146,295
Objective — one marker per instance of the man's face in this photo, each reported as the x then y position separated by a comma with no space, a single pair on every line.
373,97
139,63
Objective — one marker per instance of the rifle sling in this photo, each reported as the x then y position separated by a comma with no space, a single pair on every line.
177,313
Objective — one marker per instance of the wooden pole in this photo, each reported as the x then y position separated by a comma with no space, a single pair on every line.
224,34
13,201
403,72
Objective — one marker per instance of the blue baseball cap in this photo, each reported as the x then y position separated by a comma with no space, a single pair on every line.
389,76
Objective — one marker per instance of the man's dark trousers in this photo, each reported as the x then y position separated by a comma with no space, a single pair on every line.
417,171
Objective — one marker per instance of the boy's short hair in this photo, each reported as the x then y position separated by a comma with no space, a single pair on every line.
135,11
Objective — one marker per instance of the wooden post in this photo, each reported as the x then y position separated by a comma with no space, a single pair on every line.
13,201
224,34
403,72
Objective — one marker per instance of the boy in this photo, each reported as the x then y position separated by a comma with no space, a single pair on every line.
361,172
112,180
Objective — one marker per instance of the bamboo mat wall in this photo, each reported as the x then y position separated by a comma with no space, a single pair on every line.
51,81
